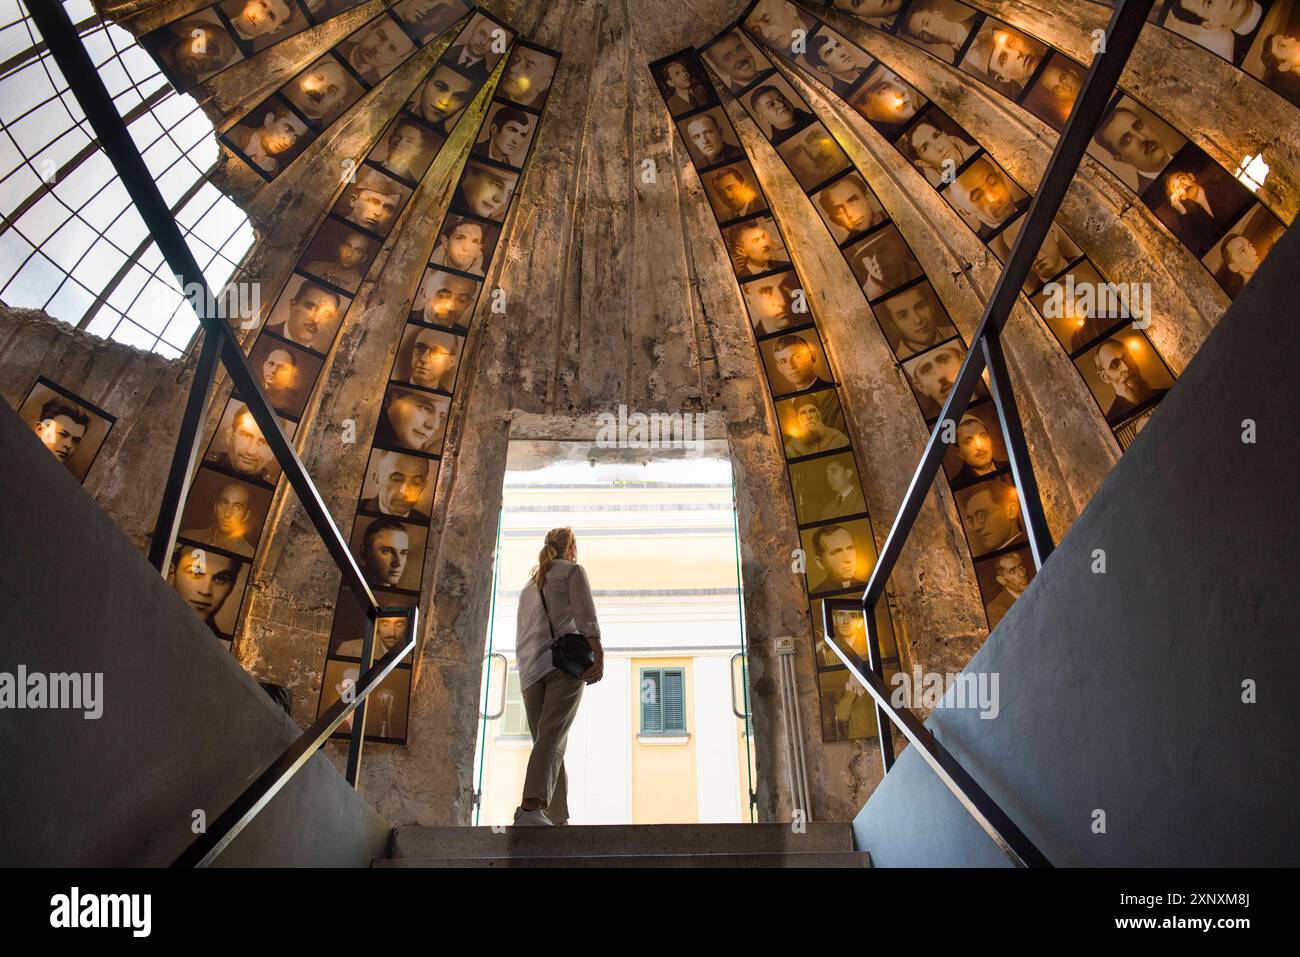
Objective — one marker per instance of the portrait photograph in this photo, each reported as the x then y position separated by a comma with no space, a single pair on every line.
795,362
372,201
985,197
1125,374
193,49
71,428
389,551
978,451
914,320
1134,143
412,420
887,101
710,139
777,108
1077,321
780,24
399,485
1234,258
406,149
848,712
239,448
1054,256
1197,199
1226,28
225,513
350,620
445,299
811,423
442,97
776,302
270,137
834,60
736,60
429,18
990,515
876,13
936,146
882,262
733,191
484,191
376,49
386,707
940,27
1051,96
848,207
528,76
323,92
813,156
465,244
287,373
1126,433
339,254
756,246
827,487
1002,579
1274,56
260,23
840,555
211,583
428,357
478,48
1003,57
322,10
850,631
307,313
506,135
682,84
932,375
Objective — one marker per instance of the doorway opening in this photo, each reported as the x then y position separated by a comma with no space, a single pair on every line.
665,736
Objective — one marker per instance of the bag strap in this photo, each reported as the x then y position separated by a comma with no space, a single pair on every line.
548,612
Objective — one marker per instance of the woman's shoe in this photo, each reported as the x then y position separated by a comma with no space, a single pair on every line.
531,819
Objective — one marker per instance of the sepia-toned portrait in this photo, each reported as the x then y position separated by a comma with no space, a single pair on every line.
1234,258
210,583
465,244
978,451
834,60
990,515
877,13
795,361
779,111
351,620
372,201
484,191
840,555
406,149
756,247
528,76
985,197
479,47
1197,199
260,23
441,98
811,423
932,375
776,302
428,18
72,429
445,299
386,707
813,156
882,262
1125,374
389,551
936,146
940,27
1054,256
506,135
399,485
914,320
376,49
733,191
1224,27
682,84
849,631
1274,56
736,60
412,420
428,357
887,101
710,139
780,24
307,313
1002,580
239,447
848,207
286,373
827,487
1134,143
193,49
225,513
323,91
848,712
1051,96
270,137
1078,320
1003,57
339,254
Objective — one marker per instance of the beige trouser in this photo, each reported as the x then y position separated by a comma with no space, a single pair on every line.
551,704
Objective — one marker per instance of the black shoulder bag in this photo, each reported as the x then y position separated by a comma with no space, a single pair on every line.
570,653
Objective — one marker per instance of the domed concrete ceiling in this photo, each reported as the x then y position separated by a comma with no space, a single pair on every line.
817,206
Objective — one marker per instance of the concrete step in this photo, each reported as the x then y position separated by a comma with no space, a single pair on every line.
619,840
817,859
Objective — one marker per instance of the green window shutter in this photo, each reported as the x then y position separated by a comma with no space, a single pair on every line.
674,699
515,720
652,700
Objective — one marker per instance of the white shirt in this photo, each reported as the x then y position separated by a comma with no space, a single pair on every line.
568,596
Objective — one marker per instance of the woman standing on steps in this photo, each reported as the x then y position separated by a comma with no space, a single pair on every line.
556,601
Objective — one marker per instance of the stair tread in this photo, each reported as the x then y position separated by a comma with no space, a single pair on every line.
819,859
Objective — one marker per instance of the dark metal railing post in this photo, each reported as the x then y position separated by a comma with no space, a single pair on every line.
884,727
115,139
357,739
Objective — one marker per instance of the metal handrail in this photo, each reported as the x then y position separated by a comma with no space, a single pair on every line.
986,353
220,344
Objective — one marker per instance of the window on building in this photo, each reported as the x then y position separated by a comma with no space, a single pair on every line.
663,701
515,721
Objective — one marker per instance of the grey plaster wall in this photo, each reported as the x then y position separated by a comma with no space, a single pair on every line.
1123,692
183,727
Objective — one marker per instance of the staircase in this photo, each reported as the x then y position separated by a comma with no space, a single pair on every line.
821,844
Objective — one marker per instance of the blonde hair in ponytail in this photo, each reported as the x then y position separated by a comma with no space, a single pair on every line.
558,543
